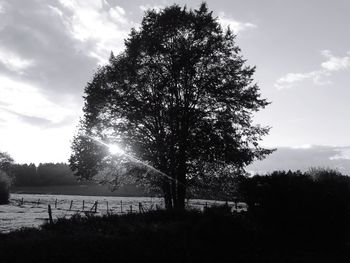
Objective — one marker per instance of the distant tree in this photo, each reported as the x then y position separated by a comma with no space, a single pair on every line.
55,174
5,183
180,97
6,162
25,175
42,175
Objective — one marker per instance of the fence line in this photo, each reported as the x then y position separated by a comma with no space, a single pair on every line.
119,209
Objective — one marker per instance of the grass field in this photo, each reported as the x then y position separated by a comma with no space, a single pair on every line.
31,210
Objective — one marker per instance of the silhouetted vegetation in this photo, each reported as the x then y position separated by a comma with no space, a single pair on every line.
43,174
166,236
6,162
300,209
180,97
5,183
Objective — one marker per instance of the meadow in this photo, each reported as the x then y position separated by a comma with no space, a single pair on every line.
31,210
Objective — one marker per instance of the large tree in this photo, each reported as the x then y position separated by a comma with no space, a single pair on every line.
180,98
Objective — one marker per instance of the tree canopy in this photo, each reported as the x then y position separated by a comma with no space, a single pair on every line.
180,97
5,161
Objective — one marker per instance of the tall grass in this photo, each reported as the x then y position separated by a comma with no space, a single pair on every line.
5,183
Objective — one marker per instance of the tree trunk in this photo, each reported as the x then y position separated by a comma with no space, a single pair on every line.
168,199
180,190
182,169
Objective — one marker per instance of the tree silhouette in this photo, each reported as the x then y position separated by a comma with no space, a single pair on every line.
6,162
179,97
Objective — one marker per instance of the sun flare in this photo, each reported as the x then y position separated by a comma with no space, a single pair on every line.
115,149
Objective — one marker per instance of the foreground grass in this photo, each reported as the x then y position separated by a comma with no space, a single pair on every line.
159,236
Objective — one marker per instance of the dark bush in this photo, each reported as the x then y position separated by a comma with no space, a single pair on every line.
4,188
156,236
300,209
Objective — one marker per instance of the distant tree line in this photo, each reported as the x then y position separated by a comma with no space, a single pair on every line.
42,175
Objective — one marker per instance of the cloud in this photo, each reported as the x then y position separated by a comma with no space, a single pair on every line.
48,52
304,157
14,62
36,47
235,26
99,27
36,121
335,63
144,8
26,101
2,8
225,21
317,77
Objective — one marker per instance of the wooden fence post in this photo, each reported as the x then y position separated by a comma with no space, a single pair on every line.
38,202
56,203
22,201
71,203
107,208
83,205
50,214
140,207
121,206
96,206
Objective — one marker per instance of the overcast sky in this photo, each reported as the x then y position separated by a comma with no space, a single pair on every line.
50,49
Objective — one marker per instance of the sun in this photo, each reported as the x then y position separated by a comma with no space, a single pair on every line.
115,149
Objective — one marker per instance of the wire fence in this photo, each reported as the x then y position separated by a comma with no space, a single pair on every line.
30,210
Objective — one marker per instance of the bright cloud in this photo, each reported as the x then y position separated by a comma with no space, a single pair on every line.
317,77
14,62
344,154
150,7
335,63
22,99
29,143
235,26
2,8
100,27
32,125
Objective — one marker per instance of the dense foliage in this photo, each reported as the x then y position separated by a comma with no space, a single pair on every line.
314,205
181,98
42,175
5,183
6,162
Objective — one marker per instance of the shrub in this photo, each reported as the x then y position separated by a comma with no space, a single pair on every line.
4,187
300,208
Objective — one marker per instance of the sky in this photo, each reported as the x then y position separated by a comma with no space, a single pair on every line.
49,50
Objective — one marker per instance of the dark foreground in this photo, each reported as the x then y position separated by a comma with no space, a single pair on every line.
160,236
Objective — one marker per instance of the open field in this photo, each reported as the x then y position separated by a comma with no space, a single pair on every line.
33,211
